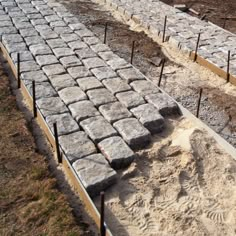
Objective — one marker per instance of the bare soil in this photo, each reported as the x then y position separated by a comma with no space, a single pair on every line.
30,200
220,12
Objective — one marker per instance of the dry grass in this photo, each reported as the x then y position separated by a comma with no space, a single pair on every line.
30,203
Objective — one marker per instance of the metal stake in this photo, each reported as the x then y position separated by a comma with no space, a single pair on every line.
105,33
34,99
164,30
198,40
228,67
199,102
57,143
102,215
18,70
161,73
132,53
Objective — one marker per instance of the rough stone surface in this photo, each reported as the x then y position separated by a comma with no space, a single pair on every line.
55,69
70,61
79,72
85,53
94,62
130,74
98,128
164,104
119,63
77,145
114,112
95,173
72,94
104,73
150,117
116,85
89,83
133,132
130,99
62,52
40,49
144,87
51,106
117,152
37,76
83,110
65,123
46,60
62,81
100,96
27,66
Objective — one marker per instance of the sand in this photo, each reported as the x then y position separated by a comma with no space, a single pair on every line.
182,184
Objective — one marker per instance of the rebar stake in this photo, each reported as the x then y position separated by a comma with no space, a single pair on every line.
199,102
102,215
161,73
59,157
197,45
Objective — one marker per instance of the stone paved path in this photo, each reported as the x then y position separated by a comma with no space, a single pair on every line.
103,106
182,29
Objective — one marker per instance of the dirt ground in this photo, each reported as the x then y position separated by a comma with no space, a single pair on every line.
219,12
30,200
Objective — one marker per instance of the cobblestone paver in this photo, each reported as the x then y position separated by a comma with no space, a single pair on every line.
99,101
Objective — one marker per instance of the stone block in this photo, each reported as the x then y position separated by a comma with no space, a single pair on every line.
48,34
150,117
91,40
100,96
70,61
104,73
32,40
83,110
26,66
12,38
94,62
130,99
77,145
69,37
56,43
28,32
72,94
117,64
114,112
62,81
62,52
24,56
117,152
65,124
85,53
107,56
130,74
133,132
40,49
164,104
55,69
144,87
100,48
46,60
79,72
89,83
84,33
95,173
51,106
98,128
37,76
15,47
75,45
116,85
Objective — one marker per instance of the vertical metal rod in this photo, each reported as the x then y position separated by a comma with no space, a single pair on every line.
105,33
228,67
34,99
161,73
57,143
197,45
132,53
102,215
18,70
199,102
164,30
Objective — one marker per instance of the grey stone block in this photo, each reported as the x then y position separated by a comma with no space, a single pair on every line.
150,117
12,38
100,96
95,173
83,110
85,53
28,32
130,74
40,49
62,30
100,48
144,87
117,64
77,26
48,34
117,152
133,132
22,25
70,61
130,99
32,40
51,106
69,37
26,66
62,81
56,43
37,76
164,104
79,72
108,55
116,85
72,94
77,45
62,52
76,145
8,30
55,69
57,23
98,128
93,62
46,60
89,83
91,40
24,56
65,124
104,73
114,112
84,33
51,18
15,47
38,22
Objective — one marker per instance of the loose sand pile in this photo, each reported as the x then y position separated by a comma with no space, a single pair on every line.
183,184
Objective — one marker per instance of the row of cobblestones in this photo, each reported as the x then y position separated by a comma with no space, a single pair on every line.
181,30
104,107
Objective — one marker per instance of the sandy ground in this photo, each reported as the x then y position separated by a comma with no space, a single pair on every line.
182,184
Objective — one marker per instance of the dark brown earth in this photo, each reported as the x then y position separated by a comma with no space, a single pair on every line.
222,13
